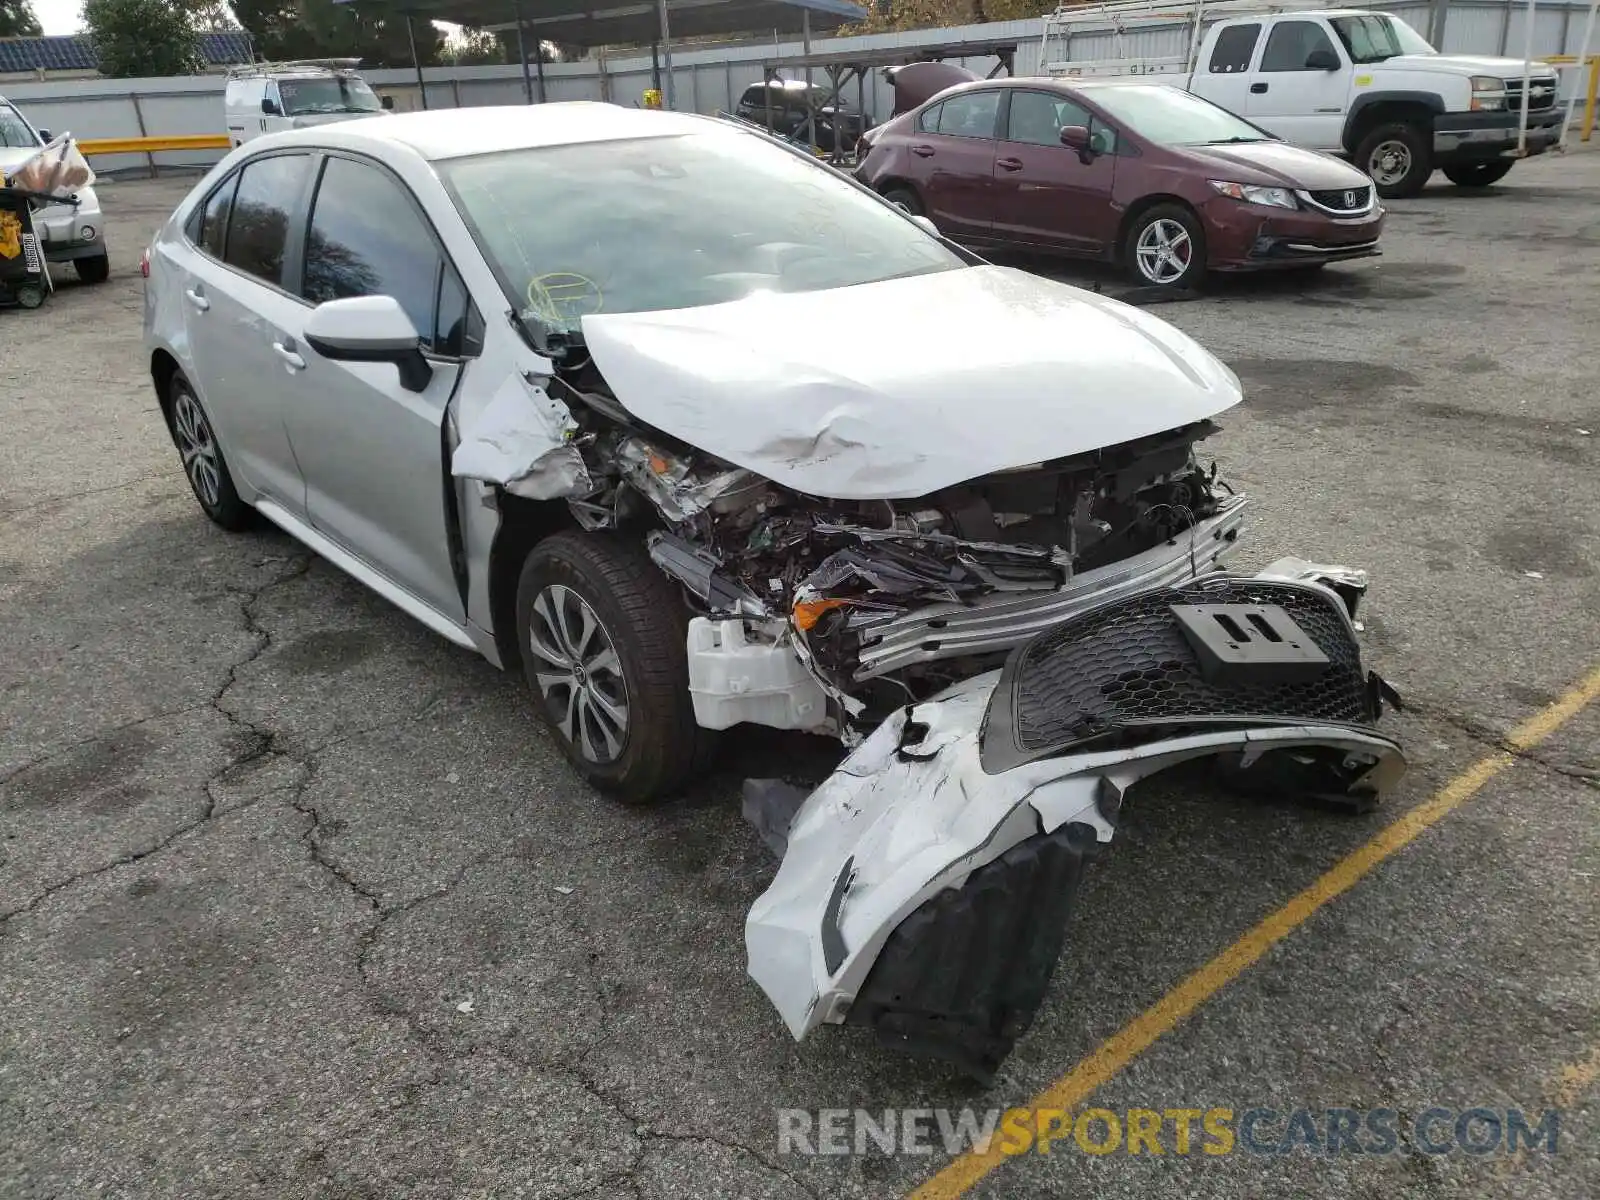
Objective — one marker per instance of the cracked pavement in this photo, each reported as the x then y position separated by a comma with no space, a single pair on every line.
297,899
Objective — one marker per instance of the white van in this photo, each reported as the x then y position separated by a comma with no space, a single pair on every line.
70,233
265,98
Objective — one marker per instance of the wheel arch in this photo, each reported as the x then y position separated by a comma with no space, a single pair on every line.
1376,108
524,524
164,368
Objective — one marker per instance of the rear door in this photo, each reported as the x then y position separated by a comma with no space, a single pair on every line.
1299,103
952,152
236,308
1044,195
1224,77
372,453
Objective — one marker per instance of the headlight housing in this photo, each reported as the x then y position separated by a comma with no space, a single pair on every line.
1488,93
1249,193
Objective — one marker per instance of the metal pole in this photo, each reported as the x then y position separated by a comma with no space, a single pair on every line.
1527,72
655,64
666,51
1436,20
1577,84
411,36
538,57
522,53
811,103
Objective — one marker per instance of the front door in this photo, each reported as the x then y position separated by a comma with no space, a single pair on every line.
1044,194
371,451
1300,103
953,151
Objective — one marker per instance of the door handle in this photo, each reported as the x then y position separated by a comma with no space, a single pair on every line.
196,299
286,352
1008,164
1260,89
922,151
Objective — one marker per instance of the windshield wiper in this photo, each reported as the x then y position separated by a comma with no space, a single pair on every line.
1234,141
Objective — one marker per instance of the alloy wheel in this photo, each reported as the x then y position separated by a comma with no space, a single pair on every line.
578,674
198,446
1164,251
1389,162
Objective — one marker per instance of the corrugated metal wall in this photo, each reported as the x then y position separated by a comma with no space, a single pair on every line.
704,80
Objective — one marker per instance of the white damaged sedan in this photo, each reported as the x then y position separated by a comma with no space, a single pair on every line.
695,432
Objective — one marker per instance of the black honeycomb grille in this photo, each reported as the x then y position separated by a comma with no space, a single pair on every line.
1129,663
1343,199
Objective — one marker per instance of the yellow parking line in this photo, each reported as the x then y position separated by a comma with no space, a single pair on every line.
1139,1034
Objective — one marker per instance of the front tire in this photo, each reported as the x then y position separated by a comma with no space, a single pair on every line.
906,200
1398,157
203,462
604,651
1477,175
1166,247
93,270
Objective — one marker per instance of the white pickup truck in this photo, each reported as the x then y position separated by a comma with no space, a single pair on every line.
1354,82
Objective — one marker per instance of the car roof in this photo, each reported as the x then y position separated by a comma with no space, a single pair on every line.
461,132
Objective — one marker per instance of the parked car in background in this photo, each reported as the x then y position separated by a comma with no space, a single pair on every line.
70,234
263,98
1362,84
786,107
1167,184
533,375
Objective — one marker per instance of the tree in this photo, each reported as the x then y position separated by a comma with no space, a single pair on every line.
17,19
134,38
472,48
285,29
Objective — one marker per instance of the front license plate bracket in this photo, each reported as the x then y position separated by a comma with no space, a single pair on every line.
1249,643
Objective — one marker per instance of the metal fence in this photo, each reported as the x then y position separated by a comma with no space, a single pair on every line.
703,80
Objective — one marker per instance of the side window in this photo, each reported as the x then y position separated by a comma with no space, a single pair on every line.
366,238
458,330
209,228
754,97
972,115
1038,118
1291,42
928,122
269,190
1235,45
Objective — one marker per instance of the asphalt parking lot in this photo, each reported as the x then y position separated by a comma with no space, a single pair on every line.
296,899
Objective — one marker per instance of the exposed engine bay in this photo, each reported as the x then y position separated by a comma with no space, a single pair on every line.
826,578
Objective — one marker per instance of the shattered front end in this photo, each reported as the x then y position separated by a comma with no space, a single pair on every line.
925,887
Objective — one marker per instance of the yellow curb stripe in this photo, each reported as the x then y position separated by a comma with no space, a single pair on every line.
1138,1035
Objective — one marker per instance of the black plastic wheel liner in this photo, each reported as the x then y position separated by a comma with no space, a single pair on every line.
961,977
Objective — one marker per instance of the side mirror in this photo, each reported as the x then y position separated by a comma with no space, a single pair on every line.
388,103
44,135
1076,138
927,225
1322,60
370,329
269,106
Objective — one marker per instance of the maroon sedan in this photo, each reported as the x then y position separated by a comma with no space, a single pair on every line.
1165,183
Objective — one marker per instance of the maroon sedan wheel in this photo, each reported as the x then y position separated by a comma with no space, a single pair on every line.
1166,247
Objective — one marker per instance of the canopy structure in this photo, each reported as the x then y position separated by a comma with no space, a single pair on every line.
615,22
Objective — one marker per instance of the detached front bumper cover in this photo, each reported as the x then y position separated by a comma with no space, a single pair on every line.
925,885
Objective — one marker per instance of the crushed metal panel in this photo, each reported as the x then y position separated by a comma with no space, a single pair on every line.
522,440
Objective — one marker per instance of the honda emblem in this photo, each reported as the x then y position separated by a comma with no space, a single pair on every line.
1351,199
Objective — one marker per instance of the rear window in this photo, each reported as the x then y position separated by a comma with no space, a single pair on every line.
270,189
1235,46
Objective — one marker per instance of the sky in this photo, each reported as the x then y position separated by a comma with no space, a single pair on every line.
59,16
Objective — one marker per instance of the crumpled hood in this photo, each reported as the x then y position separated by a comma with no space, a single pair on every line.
900,388
1280,164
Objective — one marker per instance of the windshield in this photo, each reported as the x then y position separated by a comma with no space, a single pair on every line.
676,222
1373,38
14,131
1172,118
346,93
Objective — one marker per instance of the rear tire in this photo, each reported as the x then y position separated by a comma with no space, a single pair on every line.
203,462
1165,247
1477,175
603,638
1398,157
93,270
906,200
